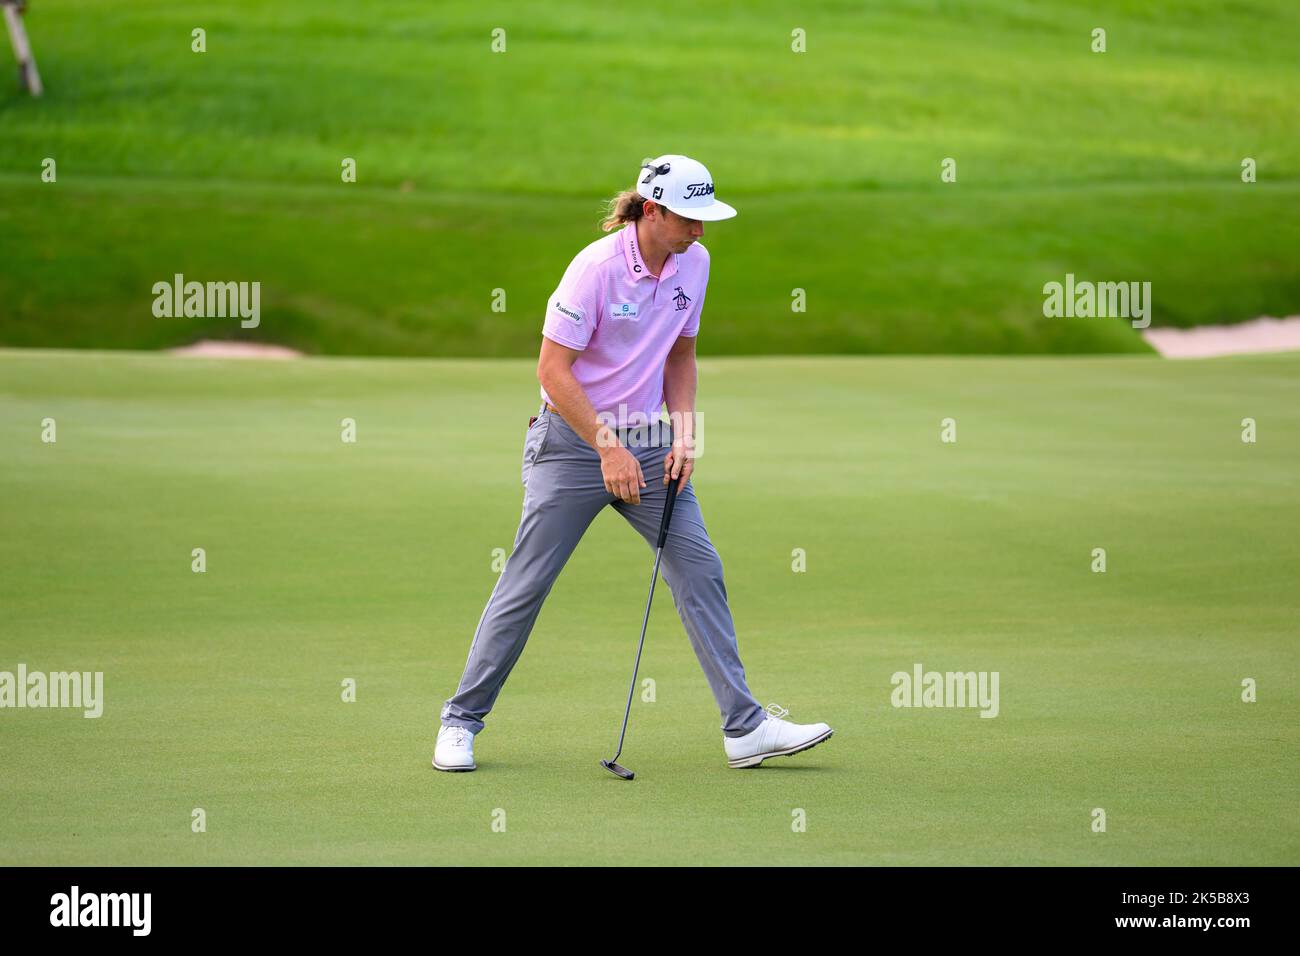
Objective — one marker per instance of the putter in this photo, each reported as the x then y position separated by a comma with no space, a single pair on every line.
612,764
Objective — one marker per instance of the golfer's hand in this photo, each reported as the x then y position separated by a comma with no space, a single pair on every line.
622,474
679,463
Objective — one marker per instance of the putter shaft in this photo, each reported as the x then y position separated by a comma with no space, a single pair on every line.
669,500
627,711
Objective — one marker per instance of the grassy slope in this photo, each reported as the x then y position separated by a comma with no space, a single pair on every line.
225,165
372,561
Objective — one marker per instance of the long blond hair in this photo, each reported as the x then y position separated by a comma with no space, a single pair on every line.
627,206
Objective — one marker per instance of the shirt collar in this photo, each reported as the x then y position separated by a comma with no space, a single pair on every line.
636,266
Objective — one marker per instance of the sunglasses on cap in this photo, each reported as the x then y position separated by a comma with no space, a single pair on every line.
661,170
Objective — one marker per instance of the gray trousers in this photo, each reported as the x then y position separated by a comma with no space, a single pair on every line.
563,493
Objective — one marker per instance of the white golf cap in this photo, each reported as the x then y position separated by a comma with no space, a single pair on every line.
682,185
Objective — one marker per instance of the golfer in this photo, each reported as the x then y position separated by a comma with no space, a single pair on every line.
619,340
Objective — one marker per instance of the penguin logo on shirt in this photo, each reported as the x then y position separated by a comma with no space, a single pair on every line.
681,298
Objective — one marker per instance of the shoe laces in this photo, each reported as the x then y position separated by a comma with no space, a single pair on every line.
775,711
459,736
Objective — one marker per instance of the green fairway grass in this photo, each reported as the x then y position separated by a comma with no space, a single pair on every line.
480,171
372,561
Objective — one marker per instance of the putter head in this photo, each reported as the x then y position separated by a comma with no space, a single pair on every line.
616,770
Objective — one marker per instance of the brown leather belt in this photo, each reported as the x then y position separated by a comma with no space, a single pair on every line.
620,428
532,419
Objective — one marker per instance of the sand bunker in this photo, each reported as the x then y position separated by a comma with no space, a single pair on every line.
1204,341
213,348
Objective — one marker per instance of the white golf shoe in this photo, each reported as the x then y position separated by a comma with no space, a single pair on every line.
774,737
455,750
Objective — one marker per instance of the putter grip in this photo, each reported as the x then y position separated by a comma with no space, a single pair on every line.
668,512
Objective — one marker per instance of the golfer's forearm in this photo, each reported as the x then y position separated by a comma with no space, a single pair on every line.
679,393
567,395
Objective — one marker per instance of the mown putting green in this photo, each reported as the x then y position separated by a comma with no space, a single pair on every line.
371,561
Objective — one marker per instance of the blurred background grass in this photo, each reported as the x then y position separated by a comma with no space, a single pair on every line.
479,171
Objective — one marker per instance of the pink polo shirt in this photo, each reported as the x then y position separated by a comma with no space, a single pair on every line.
624,321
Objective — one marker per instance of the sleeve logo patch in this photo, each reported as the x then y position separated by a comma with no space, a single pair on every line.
623,310
573,314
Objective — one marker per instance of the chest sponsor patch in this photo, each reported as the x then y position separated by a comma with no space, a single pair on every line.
623,310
